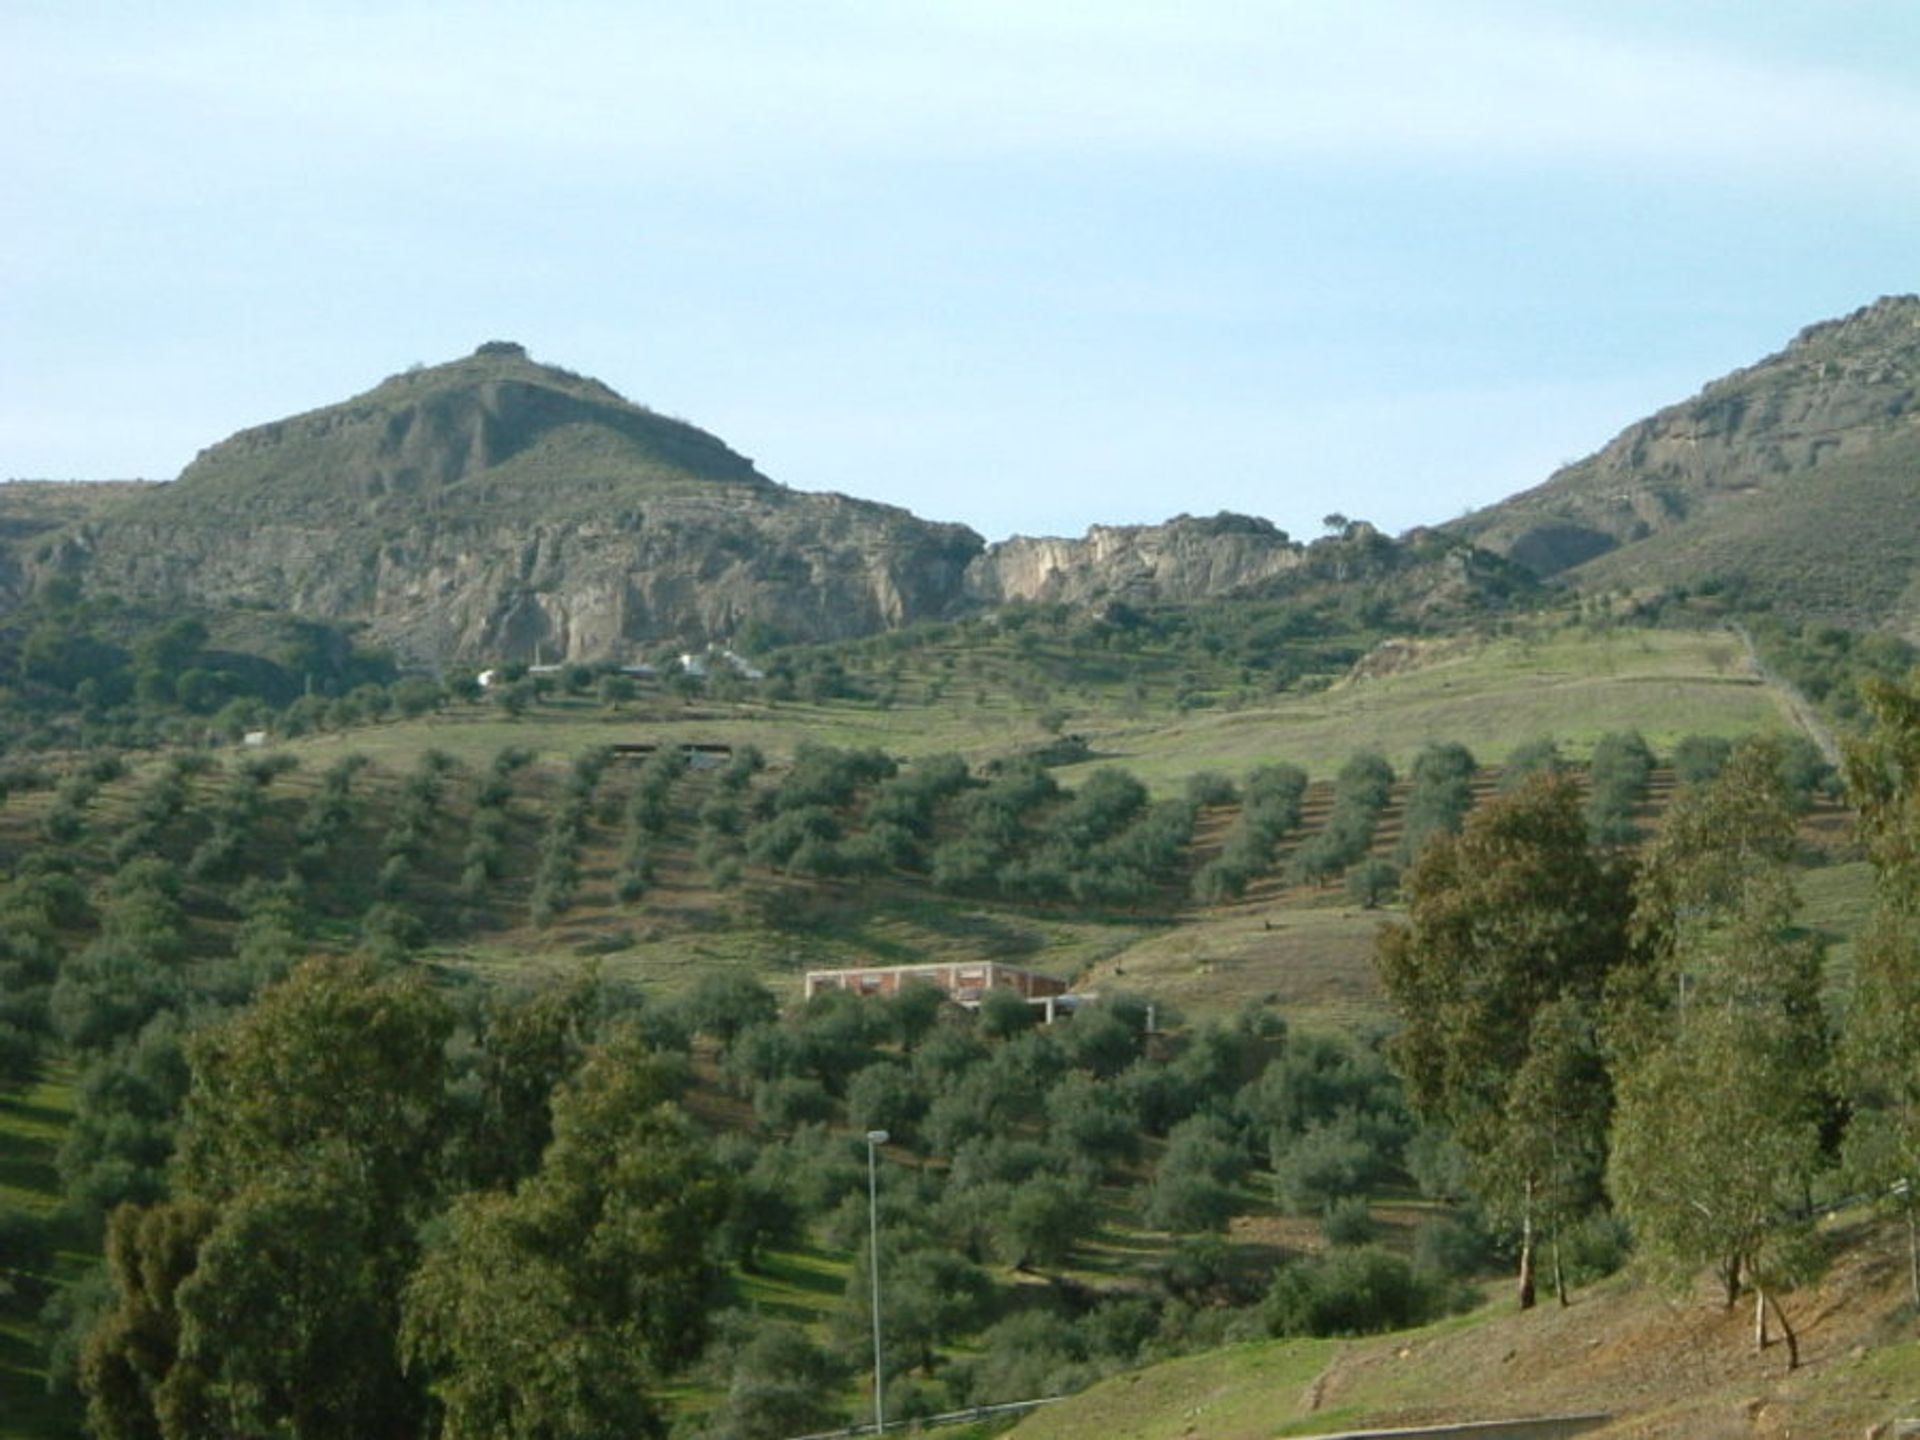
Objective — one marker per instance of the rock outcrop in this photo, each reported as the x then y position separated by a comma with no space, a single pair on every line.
1183,560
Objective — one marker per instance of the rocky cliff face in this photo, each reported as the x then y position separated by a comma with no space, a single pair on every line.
496,509
1183,560
1838,394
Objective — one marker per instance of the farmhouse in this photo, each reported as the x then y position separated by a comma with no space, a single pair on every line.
964,984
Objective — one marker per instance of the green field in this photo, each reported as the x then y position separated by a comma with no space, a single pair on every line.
1570,682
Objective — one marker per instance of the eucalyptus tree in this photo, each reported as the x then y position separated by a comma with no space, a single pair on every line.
1880,1044
1721,1050
1514,916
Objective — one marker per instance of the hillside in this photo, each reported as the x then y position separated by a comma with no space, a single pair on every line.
1303,947
1664,1367
495,509
507,847
1791,480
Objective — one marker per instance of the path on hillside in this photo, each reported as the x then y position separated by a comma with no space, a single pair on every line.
1797,704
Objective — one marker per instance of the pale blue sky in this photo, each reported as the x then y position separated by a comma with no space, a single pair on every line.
1029,266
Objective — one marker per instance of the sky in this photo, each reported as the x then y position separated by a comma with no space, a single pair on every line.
1029,265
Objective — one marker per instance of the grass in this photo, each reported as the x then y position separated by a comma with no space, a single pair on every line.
1573,685
32,1123
1665,1365
801,1287
1238,1391
1835,901
1569,682
1315,965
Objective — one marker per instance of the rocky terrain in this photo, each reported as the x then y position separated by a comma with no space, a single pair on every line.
1184,559
1792,475
494,508
497,509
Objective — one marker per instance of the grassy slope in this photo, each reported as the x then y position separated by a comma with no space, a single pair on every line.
1572,683
1300,949
1663,1366
1840,544
31,1124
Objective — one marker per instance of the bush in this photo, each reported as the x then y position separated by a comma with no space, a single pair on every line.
1371,882
1329,1162
1206,788
1453,1246
1441,796
792,1101
1617,782
780,1383
1348,1222
1594,1248
1530,758
1359,1291
1698,758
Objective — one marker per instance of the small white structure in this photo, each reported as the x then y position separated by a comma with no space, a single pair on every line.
743,667
254,739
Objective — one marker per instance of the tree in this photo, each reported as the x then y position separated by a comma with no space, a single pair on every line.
1553,1147
1880,1044
780,1383
289,1313
309,1145
548,1312
1041,1221
1514,914
1721,1052
129,1366
529,1043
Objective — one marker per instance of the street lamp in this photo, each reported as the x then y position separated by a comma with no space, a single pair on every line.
875,1139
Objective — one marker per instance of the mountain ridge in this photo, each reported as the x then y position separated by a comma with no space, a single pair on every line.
1833,414
494,508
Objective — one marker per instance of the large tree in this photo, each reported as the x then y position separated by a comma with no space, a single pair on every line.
1722,1052
308,1156
550,1311
1512,918
1880,1046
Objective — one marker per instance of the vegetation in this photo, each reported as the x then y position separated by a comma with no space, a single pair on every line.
188,888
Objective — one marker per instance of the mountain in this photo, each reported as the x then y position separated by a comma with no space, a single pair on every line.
498,508
1795,481
495,509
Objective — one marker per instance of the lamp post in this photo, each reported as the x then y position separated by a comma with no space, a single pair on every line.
875,1139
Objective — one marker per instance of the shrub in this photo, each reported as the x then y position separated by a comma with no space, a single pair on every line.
1358,1291
1329,1162
1452,1246
1530,758
1698,758
1348,1222
1594,1248
1371,882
